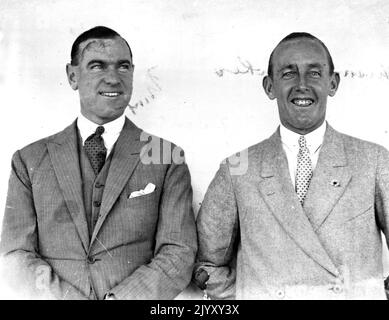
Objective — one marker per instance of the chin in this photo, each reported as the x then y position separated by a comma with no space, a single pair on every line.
309,127
107,117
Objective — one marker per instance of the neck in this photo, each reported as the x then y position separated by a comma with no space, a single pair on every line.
98,120
302,131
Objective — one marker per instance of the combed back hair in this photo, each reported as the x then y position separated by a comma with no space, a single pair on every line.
99,32
300,35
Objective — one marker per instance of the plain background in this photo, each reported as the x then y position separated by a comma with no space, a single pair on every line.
184,44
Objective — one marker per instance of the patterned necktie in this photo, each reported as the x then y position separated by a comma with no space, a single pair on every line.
95,149
304,170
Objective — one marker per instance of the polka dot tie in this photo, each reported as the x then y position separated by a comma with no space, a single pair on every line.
95,149
304,170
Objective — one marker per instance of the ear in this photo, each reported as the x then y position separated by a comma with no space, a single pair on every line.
72,74
334,84
132,71
267,84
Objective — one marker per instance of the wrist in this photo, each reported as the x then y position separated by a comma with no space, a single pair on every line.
109,296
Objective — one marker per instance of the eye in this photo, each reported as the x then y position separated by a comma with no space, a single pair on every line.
288,75
124,67
96,66
315,74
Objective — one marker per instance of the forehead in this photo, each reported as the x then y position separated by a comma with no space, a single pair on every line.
104,49
299,52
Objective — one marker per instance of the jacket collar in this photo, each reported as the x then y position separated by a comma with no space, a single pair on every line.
63,152
278,192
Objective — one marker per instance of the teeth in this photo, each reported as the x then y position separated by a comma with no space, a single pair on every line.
109,94
302,102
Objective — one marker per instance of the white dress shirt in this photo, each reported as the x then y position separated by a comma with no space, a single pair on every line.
111,130
291,147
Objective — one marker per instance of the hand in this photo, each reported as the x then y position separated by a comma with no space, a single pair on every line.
109,296
42,281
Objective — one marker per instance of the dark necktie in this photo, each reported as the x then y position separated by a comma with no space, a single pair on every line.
95,149
304,170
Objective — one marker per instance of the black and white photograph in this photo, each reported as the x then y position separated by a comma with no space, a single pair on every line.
194,150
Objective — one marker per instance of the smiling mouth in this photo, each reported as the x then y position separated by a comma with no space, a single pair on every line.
302,102
110,94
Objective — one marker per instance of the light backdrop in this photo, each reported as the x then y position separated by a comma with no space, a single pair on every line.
198,70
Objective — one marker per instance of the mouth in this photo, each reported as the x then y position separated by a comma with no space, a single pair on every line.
302,102
113,94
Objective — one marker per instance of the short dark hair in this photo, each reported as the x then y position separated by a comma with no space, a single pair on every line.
299,35
99,32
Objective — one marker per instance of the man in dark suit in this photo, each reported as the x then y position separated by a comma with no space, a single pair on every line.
304,220
89,214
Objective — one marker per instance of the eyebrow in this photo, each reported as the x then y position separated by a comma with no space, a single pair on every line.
289,66
125,61
104,62
292,66
315,65
95,61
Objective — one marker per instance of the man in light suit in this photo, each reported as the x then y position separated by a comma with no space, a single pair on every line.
305,219
89,214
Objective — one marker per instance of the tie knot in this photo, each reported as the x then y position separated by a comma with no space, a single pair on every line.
99,131
302,142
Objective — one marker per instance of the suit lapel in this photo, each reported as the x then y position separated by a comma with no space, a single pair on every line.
64,158
279,194
330,179
125,158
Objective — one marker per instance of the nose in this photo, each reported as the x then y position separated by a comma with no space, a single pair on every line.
302,84
111,77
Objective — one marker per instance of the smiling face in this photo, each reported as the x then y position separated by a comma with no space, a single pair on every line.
301,82
103,78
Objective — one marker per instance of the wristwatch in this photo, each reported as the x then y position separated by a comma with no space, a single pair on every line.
109,296
200,279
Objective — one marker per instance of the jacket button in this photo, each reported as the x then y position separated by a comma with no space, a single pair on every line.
280,294
337,288
96,203
91,260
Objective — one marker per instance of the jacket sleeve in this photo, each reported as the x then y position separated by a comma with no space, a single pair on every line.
382,192
24,270
218,233
169,272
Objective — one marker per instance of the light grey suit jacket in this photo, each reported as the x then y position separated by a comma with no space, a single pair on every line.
141,248
257,242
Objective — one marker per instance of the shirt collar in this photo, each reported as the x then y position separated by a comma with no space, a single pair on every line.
112,129
314,139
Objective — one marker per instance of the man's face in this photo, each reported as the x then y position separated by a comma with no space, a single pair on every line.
103,78
301,83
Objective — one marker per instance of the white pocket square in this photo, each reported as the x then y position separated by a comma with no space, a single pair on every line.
148,189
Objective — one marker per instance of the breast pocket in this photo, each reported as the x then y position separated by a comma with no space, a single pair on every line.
362,216
141,214
143,200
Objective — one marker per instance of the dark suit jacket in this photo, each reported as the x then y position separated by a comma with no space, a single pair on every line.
141,248
257,242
